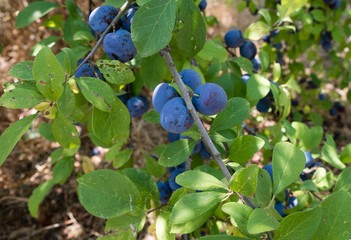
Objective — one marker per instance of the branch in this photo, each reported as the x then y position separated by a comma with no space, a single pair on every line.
204,135
102,36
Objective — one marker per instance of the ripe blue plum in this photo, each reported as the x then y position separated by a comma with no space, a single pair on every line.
333,111
191,78
234,38
211,99
197,147
309,159
172,137
86,71
263,105
326,40
172,183
330,2
321,96
203,152
278,45
124,98
266,38
119,46
174,116
128,19
245,78
162,94
180,166
137,106
293,202
248,50
203,5
256,62
269,169
280,207
101,17
336,5
165,191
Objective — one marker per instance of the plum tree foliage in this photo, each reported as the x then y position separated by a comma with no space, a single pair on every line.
202,184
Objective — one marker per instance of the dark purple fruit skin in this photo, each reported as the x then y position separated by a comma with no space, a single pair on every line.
269,169
248,50
101,17
191,78
86,71
256,62
197,147
172,183
137,106
172,137
180,166
263,105
326,40
234,38
119,46
309,159
162,94
203,152
174,116
330,2
245,78
336,5
128,19
165,191
203,5
212,99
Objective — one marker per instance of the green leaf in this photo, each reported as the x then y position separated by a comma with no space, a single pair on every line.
309,185
131,220
45,42
70,60
66,104
83,35
113,125
107,194
345,155
244,181
324,180
152,70
244,147
152,26
97,92
265,60
201,181
244,63
260,221
153,167
309,137
265,14
236,111
115,72
191,206
144,182
190,36
12,135
344,180
276,71
288,7
122,157
62,170
34,11
318,15
65,132
239,213
300,225
38,195
115,3
56,155
177,153
288,163
329,153
222,237
21,95
257,87
263,192
212,50
73,9
48,74
22,70
163,228
152,116
256,30
45,130
336,218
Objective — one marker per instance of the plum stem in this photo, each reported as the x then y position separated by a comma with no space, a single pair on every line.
204,135
99,42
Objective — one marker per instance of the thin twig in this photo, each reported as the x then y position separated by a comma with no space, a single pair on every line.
99,42
155,209
315,194
204,135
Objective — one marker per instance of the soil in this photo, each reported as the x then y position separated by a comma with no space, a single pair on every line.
61,216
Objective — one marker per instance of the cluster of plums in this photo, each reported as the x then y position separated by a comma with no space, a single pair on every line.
118,45
307,174
208,99
269,39
326,40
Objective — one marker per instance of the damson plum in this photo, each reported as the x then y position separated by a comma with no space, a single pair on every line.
256,62
137,106
128,18
309,159
263,105
280,207
119,46
234,38
162,94
269,169
191,78
210,99
203,152
172,183
248,50
203,5
197,147
165,191
174,116
86,71
101,17
172,137
180,166
245,78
